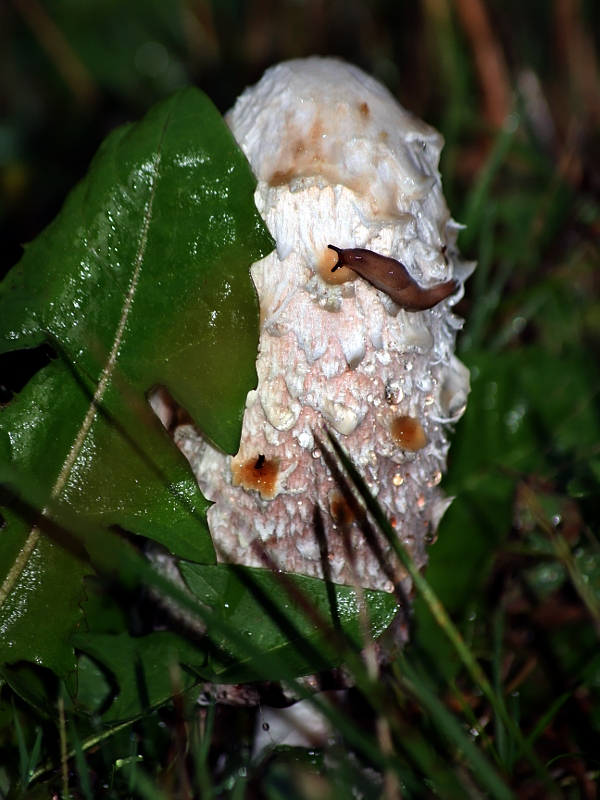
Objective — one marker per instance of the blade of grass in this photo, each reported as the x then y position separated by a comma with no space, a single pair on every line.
86,744
239,789
201,738
438,611
366,680
482,299
568,754
564,554
478,196
411,739
451,730
578,579
391,789
545,720
80,762
23,755
515,712
524,314
453,72
428,763
474,722
498,640
121,763
143,785
35,754
115,558
130,765
63,747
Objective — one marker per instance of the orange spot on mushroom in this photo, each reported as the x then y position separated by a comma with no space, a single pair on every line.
408,433
282,177
258,473
343,510
364,109
327,262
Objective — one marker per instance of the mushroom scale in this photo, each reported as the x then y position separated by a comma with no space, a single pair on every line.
338,159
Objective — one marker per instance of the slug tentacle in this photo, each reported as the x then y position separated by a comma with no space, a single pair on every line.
392,277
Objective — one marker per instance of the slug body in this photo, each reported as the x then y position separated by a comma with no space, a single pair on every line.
392,277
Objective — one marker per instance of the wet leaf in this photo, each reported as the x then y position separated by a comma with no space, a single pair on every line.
142,279
271,611
147,669
93,689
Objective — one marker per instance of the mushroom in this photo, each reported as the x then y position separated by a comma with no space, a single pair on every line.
337,159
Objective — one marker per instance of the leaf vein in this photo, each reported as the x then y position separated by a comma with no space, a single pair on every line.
34,535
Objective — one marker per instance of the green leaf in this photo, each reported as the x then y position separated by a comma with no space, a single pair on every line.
26,681
146,669
142,279
93,688
271,610
41,610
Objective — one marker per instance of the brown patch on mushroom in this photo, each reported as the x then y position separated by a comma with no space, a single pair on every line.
364,109
327,262
307,150
308,153
281,177
344,510
258,473
408,433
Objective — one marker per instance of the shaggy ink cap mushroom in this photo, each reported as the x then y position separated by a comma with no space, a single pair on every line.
338,160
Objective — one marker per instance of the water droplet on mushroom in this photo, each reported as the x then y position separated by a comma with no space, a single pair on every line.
408,433
435,479
394,393
265,726
397,480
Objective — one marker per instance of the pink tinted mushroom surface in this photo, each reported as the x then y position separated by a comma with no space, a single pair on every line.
339,161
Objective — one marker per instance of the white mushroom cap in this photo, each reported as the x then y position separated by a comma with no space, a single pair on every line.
338,161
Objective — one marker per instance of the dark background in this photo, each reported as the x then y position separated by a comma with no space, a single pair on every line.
71,70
